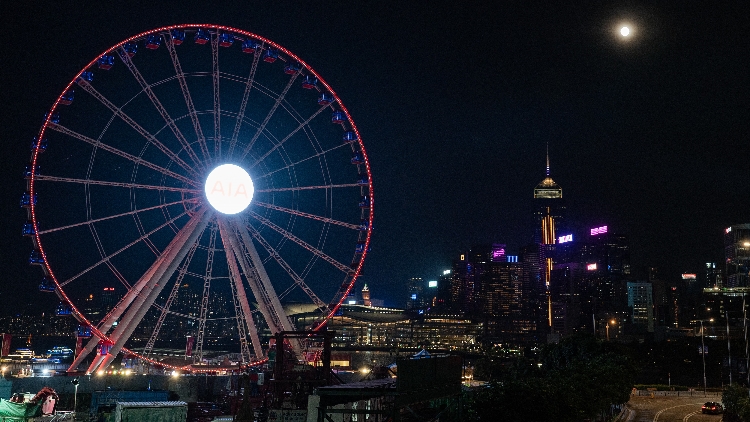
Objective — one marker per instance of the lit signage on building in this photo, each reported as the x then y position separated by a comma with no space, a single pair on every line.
446,272
229,189
498,253
564,239
728,230
413,296
512,258
352,302
591,267
432,283
688,276
598,230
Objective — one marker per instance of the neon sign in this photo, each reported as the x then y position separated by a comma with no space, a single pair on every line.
229,189
432,283
564,239
591,267
688,276
598,230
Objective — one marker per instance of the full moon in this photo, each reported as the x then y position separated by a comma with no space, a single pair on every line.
624,31
229,189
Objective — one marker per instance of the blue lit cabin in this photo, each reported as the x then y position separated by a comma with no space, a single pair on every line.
54,118
362,180
350,136
338,117
153,41
292,68
363,225
67,97
63,309
360,248
130,48
27,200
364,202
29,170
36,144
83,331
202,36
36,258
28,229
358,158
47,286
106,62
178,36
271,55
325,98
226,40
249,46
309,82
87,76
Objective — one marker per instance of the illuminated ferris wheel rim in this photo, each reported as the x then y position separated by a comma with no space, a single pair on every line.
238,34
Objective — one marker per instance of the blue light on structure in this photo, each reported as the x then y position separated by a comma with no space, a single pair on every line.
413,296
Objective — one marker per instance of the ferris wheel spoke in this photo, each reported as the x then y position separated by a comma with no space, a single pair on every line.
42,177
243,104
124,248
241,305
110,217
315,251
132,123
158,274
198,355
280,143
270,173
160,108
217,99
262,126
299,281
186,94
130,157
299,188
308,215
172,294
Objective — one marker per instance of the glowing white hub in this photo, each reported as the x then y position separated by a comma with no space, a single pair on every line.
229,189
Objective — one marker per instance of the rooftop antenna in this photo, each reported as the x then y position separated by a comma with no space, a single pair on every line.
547,158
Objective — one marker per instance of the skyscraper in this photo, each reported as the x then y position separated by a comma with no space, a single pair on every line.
548,196
737,254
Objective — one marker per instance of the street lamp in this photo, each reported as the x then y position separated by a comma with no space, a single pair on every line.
703,353
613,322
75,394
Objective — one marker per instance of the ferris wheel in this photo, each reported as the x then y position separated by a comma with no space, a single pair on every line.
195,180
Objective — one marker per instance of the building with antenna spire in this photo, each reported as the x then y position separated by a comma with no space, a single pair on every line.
550,207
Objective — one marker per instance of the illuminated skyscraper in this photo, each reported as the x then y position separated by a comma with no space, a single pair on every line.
548,195
737,254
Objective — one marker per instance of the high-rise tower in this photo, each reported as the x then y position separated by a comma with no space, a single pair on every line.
737,254
548,196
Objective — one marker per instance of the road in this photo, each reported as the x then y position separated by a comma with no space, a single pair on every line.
669,409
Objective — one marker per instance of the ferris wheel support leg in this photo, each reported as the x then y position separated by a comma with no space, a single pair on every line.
120,308
181,246
97,360
230,242
256,263
90,346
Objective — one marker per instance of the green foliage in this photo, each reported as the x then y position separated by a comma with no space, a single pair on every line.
736,403
578,378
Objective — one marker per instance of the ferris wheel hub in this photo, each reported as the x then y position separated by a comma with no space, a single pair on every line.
229,189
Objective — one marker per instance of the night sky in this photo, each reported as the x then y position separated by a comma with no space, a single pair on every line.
456,102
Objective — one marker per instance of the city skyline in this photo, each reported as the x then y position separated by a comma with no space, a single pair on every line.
456,106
